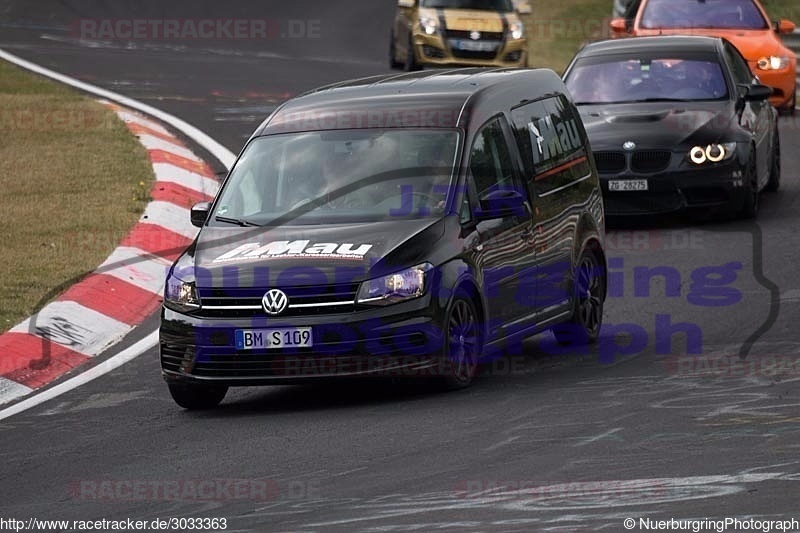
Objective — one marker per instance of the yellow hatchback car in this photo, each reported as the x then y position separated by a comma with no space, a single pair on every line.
477,33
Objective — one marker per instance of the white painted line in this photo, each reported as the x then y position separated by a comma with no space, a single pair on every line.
190,180
152,142
75,326
128,354
11,390
171,217
225,156
129,264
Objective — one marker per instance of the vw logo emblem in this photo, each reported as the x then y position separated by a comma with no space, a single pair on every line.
629,146
275,302
475,35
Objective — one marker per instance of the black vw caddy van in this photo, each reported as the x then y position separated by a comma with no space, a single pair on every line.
399,226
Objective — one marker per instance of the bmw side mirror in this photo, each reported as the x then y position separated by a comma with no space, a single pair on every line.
618,27
784,26
501,203
199,213
757,92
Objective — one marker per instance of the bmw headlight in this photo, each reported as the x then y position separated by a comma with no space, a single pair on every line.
430,25
180,290
398,287
773,63
516,30
713,153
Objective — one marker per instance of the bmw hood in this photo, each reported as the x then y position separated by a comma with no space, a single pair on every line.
654,126
312,254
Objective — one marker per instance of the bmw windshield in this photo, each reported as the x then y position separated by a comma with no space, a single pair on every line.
709,14
339,177
615,80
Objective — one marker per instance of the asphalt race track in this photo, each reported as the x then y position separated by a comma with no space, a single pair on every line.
593,439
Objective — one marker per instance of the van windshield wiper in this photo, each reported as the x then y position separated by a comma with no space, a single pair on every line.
239,222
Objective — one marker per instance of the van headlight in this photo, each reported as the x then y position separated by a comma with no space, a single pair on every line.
429,25
180,290
713,153
398,287
773,63
516,30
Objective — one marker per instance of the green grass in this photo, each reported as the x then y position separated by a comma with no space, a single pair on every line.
558,29
74,180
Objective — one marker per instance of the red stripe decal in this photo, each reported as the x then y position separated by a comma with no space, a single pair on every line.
560,168
114,297
33,361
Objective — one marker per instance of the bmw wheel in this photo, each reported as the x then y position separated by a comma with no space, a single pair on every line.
749,208
774,182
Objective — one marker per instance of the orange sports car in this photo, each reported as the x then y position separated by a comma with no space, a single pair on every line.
744,23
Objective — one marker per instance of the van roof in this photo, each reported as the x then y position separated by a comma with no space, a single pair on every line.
428,99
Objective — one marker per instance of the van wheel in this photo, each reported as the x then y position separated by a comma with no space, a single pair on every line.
462,344
411,60
749,208
774,182
195,397
589,289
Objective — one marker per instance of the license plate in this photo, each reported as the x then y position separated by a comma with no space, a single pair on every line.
475,46
627,185
260,339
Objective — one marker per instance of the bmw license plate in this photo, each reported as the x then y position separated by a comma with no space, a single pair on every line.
260,339
475,46
628,185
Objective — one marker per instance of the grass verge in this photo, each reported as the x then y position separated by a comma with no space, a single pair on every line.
556,30
73,181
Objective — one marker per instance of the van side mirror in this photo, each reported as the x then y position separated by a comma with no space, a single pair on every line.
619,27
502,203
757,92
199,213
784,26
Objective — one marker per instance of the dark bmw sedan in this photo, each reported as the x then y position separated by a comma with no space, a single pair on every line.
676,123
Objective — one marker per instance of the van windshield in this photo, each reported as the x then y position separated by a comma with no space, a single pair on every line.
340,176
504,6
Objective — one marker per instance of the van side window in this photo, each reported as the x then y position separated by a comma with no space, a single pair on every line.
490,160
552,143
